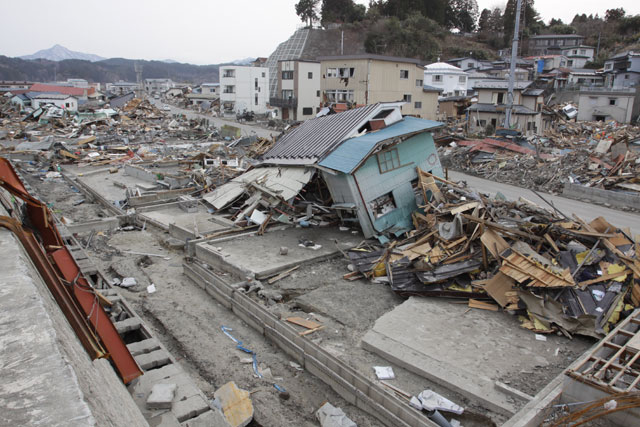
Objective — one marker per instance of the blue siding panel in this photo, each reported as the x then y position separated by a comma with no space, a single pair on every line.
351,152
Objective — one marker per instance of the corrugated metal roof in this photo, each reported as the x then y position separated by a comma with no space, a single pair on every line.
351,152
284,181
313,139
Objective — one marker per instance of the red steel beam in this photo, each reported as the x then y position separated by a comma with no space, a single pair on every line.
83,299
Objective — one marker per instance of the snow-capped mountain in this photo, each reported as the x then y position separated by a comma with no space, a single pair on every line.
59,53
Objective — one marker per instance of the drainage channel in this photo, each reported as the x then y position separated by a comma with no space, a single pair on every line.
346,381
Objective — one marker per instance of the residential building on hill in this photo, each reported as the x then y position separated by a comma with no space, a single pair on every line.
452,80
548,44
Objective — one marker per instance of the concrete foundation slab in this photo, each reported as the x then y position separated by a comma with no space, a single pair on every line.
172,214
465,351
259,256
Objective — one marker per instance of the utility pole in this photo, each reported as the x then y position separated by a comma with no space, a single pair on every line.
512,66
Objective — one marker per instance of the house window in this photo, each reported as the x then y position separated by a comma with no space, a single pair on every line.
419,83
256,83
406,98
67,105
263,75
437,78
626,76
500,98
339,95
462,79
388,160
287,94
287,75
318,93
229,73
404,74
382,205
309,75
570,63
332,72
612,101
346,72
307,111
256,99
229,89
417,105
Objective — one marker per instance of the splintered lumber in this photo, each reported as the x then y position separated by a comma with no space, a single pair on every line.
310,331
502,228
282,275
522,268
473,303
494,243
501,288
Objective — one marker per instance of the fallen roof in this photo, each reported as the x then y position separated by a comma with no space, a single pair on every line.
313,139
353,151
286,182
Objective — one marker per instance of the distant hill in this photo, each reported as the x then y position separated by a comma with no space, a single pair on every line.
60,53
105,71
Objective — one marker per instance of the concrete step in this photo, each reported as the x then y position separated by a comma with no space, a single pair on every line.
154,359
143,347
128,325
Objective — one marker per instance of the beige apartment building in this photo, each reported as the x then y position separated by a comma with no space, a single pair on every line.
298,90
367,79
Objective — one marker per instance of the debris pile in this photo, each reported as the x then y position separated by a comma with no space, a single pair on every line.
557,273
599,155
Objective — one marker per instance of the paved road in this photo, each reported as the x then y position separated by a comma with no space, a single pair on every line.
586,211
217,121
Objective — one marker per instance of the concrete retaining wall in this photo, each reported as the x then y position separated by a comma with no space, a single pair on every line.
614,198
104,224
346,381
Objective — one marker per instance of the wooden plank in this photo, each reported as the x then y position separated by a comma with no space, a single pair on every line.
310,331
464,208
604,278
494,242
482,305
501,288
309,324
282,275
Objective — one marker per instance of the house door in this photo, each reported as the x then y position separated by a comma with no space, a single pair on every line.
285,114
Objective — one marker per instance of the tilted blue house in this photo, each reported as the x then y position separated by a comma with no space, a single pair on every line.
368,157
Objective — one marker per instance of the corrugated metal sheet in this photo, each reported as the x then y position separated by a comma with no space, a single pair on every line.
351,152
314,138
284,181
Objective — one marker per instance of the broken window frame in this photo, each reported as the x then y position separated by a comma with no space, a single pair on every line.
379,206
346,72
388,160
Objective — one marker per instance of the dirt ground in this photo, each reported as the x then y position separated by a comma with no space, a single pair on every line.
188,321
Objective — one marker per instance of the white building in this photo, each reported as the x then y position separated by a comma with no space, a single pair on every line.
298,92
66,102
121,87
244,89
158,86
604,104
578,56
452,80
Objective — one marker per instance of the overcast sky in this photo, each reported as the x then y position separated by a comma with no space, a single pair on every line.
195,31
